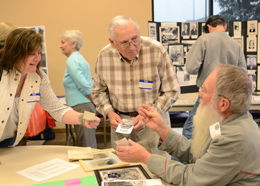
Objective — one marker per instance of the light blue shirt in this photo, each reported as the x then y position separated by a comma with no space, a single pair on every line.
77,80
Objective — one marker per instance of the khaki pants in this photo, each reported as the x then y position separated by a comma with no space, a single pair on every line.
146,137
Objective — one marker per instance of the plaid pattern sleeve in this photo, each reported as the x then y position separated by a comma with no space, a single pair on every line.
117,84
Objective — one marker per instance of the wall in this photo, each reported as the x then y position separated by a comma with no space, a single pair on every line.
90,17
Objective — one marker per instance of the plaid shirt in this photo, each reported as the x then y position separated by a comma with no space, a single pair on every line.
116,82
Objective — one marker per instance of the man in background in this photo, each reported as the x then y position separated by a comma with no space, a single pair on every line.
206,53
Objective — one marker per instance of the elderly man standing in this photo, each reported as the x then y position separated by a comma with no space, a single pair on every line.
130,71
225,148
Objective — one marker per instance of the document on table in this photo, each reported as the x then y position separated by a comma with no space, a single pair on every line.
47,169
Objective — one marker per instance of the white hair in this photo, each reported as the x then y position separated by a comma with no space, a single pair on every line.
73,35
120,21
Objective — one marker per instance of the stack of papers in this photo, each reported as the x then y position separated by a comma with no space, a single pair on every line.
80,154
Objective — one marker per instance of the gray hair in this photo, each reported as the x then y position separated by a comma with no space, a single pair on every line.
235,85
120,21
73,35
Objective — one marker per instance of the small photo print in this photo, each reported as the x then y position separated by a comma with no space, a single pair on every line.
176,54
251,62
252,27
185,29
122,174
251,44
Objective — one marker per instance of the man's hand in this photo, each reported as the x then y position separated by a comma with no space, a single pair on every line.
114,119
133,153
92,123
140,124
154,121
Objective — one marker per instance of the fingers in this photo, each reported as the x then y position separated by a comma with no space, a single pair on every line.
140,126
92,123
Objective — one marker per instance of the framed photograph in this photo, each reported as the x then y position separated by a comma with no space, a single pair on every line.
257,77
251,62
185,29
203,28
252,77
237,27
134,172
194,30
252,27
240,41
102,160
169,35
152,30
176,54
251,44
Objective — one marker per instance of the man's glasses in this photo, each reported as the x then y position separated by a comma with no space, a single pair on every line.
126,44
203,91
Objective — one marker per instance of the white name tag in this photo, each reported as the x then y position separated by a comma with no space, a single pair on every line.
34,97
144,84
215,130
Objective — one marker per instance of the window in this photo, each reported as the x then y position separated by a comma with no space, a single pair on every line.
180,10
200,10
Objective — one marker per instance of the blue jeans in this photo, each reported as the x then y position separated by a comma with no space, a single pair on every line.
188,125
7,142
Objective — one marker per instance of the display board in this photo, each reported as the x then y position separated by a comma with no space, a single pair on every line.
178,37
246,34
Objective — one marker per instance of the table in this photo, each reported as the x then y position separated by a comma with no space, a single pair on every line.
21,157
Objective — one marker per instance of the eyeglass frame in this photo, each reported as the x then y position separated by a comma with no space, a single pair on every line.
127,43
201,90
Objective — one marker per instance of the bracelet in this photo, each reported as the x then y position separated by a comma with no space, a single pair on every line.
82,120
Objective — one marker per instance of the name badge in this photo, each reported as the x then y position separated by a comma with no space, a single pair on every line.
144,84
215,130
34,97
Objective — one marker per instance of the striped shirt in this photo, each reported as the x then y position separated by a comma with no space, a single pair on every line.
149,78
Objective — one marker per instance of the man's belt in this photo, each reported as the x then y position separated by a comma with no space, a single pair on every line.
131,114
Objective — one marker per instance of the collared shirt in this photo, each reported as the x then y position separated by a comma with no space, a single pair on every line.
150,78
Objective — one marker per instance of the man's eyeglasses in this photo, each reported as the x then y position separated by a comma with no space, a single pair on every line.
126,44
203,91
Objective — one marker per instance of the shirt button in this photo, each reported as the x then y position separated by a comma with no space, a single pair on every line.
20,122
11,95
22,99
15,79
8,108
3,121
31,86
36,81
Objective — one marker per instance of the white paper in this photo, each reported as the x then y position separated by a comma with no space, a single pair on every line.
124,129
47,169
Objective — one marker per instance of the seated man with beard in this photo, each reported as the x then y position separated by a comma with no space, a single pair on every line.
225,147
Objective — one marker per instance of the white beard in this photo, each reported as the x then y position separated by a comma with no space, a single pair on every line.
205,116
